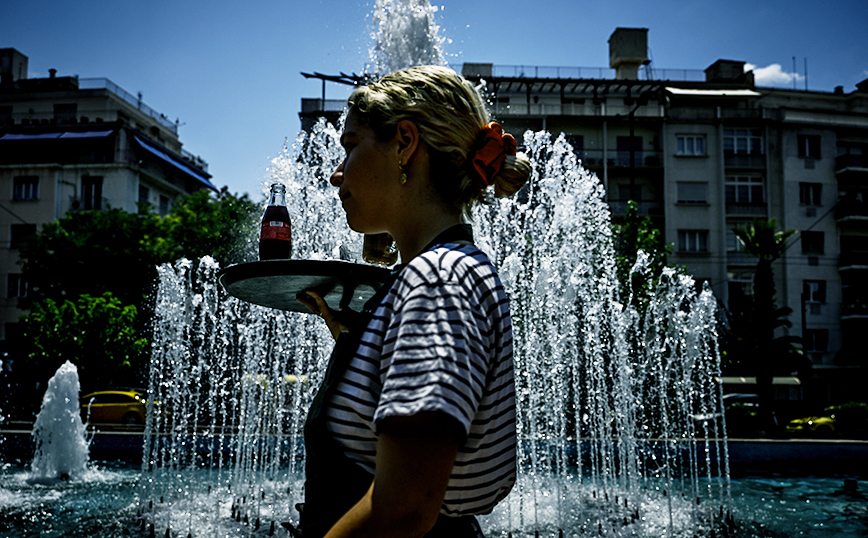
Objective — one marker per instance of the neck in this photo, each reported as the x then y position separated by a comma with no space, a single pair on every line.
412,239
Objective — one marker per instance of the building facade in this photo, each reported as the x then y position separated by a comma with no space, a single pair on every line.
703,152
70,144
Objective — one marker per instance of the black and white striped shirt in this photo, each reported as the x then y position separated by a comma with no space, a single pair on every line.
441,340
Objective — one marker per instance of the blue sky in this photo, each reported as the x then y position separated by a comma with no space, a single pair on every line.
230,71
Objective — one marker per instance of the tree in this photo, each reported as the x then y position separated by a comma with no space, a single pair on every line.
94,253
224,227
97,334
757,319
633,235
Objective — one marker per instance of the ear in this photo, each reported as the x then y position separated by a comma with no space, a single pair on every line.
407,136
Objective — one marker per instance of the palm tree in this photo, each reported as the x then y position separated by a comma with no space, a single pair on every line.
761,240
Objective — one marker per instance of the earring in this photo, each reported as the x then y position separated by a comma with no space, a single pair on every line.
403,178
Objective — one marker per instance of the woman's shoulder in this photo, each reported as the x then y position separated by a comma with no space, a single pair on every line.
449,261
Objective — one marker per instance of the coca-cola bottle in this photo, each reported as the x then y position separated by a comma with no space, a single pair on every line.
275,239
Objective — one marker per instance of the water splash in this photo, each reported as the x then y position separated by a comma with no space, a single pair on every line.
59,434
404,34
606,393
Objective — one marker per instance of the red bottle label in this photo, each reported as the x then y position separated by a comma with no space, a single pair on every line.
276,230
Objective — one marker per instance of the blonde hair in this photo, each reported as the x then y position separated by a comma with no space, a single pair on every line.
449,115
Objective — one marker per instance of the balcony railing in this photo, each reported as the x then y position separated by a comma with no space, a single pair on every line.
136,102
851,161
740,160
648,207
594,157
551,72
851,207
754,209
740,258
850,260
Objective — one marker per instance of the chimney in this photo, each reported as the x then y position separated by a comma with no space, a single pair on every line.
628,49
52,73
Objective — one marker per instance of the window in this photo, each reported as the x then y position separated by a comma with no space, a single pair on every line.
810,194
6,115
25,188
814,291
16,286
733,243
743,141
65,112
627,144
809,146
20,233
91,192
812,242
693,240
744,190
164,205
690,192
815,339
740,288
690,145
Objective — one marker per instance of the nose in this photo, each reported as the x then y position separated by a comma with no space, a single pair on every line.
338,175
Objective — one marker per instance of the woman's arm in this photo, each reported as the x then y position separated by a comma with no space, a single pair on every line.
414,460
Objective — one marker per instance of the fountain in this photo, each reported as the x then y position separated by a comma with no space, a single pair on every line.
60,436
607,393
616,452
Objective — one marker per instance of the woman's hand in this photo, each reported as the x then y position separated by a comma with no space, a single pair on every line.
338,321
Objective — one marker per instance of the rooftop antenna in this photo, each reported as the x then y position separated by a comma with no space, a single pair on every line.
795,77
806,73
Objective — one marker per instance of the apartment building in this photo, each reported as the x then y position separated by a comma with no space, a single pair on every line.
706,151
70,144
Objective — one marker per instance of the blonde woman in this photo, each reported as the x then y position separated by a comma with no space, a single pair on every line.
413,431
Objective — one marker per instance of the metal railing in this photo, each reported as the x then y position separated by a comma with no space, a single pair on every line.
603,73
135,101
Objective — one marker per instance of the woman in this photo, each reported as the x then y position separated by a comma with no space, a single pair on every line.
413,430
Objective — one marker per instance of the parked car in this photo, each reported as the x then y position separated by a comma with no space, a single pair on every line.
816,426
114,406
849,420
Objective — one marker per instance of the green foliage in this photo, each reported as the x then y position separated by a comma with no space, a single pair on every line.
222,226
636,234
97,334
94,253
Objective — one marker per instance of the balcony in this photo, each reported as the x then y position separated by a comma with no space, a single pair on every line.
643,159
843,162
649,207
851,210
740,258
854,310
749,209
742,160
853,260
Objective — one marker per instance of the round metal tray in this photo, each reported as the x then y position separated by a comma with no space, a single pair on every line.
277,283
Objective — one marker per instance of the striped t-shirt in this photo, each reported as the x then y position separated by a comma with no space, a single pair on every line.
441,340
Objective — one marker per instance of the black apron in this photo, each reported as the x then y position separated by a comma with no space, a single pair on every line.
334,483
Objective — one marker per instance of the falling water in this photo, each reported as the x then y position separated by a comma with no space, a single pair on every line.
606,393
59,435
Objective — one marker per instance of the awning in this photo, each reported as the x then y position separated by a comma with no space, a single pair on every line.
782,380
63,135
688,92
177,163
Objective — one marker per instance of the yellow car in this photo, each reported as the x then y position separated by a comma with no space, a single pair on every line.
820,426
114,406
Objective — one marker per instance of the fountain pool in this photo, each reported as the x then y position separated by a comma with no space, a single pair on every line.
104,503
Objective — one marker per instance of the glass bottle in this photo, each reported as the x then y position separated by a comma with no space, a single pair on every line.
379,249
275,239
